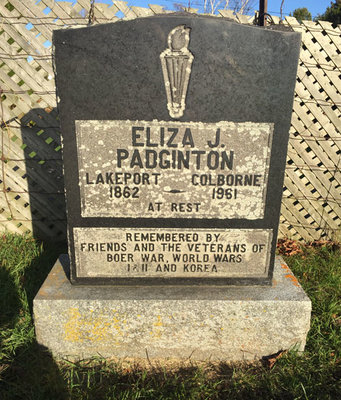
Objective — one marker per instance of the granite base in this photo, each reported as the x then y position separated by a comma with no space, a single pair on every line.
202,323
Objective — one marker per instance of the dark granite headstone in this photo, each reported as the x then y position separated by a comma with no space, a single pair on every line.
175,130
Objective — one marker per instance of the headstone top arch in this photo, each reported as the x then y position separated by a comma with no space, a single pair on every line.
175,130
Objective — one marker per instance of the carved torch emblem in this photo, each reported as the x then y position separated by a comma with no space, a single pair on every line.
176,62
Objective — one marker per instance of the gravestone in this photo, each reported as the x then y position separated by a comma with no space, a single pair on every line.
175,130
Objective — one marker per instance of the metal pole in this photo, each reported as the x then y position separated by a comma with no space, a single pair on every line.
263,9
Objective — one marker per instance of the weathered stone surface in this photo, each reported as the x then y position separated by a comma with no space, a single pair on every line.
173,169
174,121
216,323
140,253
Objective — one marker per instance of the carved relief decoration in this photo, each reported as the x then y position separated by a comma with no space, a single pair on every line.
176,62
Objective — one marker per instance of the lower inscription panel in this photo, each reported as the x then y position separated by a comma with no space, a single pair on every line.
168,253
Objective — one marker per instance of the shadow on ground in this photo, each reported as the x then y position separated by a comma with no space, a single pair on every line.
27,370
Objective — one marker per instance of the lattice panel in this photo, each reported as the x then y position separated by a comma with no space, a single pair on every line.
31,178
311,207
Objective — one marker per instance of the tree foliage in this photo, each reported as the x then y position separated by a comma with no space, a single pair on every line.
302,14
332,13
238,6
212,6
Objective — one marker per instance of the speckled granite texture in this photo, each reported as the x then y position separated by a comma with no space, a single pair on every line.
204,323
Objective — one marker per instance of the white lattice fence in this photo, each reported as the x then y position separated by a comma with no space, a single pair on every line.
31,196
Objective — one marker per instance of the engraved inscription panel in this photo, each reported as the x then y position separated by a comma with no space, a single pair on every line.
173,169
181,253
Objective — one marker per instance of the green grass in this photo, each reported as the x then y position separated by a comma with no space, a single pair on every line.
29,372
